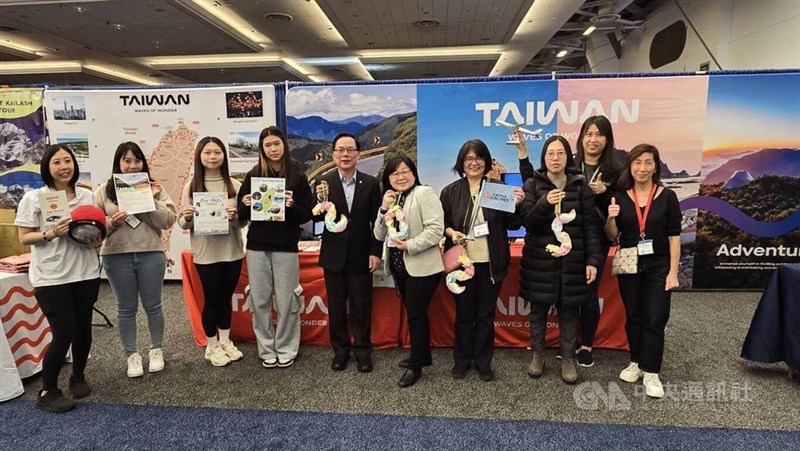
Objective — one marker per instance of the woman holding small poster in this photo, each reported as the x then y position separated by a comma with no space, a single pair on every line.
133,254
278,186
65,276
209,212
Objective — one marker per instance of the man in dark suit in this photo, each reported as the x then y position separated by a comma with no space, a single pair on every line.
350,257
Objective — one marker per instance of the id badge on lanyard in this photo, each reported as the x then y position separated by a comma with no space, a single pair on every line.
480,229
645,246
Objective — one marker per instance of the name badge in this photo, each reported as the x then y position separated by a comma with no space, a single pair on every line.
479,230
645,247
133,221
390,242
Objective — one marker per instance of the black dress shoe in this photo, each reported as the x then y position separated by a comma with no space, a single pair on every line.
340,362
364,364
459,371
486,375
404,363
410,377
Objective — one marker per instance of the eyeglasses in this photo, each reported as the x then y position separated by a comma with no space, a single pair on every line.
476,160
553,156
345,150
404,174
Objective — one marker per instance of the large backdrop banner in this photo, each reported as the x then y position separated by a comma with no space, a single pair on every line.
166,124
730,144
22,143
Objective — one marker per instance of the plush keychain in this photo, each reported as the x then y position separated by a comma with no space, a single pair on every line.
460,275
563,237
330,211
397,230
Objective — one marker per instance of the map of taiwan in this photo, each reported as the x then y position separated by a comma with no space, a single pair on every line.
170,165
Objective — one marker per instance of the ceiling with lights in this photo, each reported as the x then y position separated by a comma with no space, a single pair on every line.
156,42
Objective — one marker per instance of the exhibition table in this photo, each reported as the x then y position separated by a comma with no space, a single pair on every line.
774,334
389,326
25,331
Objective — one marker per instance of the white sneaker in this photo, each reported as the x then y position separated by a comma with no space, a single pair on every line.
233,353
216,355
135,365
631,373
156,360
652,385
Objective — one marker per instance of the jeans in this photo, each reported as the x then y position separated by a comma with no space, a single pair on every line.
647,309
134,275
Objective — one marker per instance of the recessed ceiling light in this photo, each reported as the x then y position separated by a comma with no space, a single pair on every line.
426,23
278,17
562,54
118,26
80,9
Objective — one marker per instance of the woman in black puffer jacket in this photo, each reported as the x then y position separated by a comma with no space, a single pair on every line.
546,279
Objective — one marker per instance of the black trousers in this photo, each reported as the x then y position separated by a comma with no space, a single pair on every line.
475,308
68,309
647,307
567,326
219,281
357,287
590,311
416,293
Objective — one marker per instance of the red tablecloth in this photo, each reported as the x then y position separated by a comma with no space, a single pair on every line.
389,325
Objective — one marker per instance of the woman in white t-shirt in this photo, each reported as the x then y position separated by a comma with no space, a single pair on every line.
217,257
65,276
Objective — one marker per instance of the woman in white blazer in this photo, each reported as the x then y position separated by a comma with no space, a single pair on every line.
411,253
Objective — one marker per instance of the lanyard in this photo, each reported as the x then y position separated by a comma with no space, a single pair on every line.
596,170
476,203
642,217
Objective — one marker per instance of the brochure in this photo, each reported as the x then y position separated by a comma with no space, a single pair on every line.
210,214
134,194
268,202
54,207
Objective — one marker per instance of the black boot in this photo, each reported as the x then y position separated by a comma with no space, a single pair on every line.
54,401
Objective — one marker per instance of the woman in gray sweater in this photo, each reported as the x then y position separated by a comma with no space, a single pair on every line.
133,258
218,256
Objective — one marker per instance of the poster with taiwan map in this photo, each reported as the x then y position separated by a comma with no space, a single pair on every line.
166,124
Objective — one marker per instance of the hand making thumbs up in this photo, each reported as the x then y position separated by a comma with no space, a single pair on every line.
613,208
597,186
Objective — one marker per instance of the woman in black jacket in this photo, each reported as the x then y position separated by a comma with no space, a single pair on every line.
487,247
556,269
272,261
596,160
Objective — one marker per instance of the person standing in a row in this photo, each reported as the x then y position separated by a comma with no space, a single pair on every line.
411,252
646,215
134,258
217,258
65,276
595,158
561,250
272,261
349,257
484,233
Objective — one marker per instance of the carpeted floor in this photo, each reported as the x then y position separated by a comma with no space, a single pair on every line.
712,389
